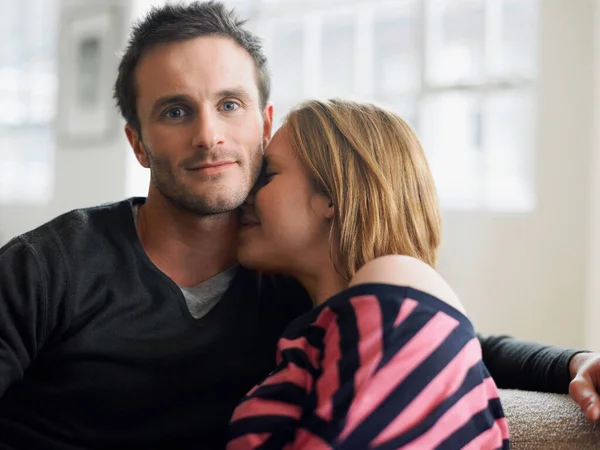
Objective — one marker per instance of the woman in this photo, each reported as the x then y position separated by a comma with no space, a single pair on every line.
346,204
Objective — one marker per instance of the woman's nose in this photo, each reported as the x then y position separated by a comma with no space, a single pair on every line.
250,199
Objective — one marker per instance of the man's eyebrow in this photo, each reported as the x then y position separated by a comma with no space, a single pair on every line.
161,102
234,92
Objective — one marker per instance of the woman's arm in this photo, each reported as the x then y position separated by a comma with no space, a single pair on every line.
513,363
419,379
526,365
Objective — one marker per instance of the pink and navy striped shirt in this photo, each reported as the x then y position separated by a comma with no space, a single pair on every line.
376,366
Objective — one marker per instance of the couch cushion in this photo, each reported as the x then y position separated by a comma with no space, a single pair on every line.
547,421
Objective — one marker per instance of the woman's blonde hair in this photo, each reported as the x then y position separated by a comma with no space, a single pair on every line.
371,165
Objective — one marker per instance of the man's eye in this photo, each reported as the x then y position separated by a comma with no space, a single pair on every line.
175,113
230,106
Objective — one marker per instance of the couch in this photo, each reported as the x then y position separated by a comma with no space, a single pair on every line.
547,421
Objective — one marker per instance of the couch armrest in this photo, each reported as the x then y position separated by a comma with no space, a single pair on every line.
538,420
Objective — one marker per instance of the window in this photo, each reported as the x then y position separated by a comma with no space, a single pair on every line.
337,46
28,84
477,115
462,72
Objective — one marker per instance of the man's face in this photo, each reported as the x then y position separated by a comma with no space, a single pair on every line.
202,125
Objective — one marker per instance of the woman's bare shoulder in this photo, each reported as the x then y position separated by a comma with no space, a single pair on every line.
404,270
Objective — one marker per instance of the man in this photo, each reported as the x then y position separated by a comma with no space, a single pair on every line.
130,325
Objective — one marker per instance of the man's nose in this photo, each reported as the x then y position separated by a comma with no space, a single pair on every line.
209,130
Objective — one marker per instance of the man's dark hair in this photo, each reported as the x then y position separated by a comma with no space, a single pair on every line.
176,23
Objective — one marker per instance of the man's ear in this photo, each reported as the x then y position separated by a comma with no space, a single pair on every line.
267,123
137,145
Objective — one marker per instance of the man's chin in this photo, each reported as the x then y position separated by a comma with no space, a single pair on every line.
201,198
206,206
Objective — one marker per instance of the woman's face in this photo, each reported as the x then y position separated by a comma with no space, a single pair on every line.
285,222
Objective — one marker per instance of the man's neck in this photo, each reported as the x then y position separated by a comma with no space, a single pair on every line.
188,248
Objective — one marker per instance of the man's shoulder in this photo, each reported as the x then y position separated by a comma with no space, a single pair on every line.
79,226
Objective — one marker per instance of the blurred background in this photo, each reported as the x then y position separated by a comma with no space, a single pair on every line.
504,95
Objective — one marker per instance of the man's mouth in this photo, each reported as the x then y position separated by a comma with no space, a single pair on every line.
212,168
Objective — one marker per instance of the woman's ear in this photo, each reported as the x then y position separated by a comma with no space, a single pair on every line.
323,206
330,212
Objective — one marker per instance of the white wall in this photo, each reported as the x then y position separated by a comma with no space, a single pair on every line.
523,275
84,174
526,275
593,272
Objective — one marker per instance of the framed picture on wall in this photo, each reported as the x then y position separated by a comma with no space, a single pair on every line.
90,42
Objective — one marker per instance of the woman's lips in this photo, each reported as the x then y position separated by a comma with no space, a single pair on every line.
249,222
248,218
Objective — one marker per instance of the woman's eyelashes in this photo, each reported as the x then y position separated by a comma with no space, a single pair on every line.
266,174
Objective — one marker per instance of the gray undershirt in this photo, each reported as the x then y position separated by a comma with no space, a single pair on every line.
205,296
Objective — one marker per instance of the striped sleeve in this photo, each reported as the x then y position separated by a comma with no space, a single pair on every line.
384,367
419,380
270,414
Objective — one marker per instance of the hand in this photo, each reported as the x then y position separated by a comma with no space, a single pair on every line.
585,383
